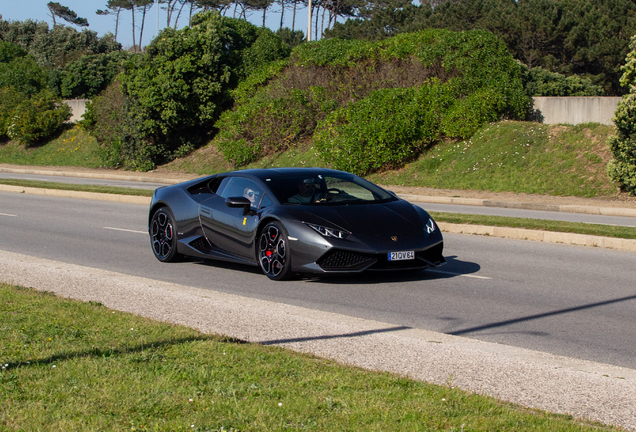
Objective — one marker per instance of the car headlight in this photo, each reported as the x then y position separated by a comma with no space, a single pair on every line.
430,226
329,232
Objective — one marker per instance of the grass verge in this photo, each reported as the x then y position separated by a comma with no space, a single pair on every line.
72,147
538,224
514,156
69,365
77,187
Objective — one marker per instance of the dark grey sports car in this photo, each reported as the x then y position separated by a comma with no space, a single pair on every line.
293,220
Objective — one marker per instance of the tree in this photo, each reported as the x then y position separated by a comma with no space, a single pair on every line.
622,168
177,91
112,8
66,14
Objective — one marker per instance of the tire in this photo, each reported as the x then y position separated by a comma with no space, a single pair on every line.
274,255
163,236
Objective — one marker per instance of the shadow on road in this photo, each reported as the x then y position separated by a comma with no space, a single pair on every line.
538,316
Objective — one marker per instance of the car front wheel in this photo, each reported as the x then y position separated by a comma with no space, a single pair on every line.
273,253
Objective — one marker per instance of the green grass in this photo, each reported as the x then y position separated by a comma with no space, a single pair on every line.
538,224
73,147
521,157
78,187
513,156
73,366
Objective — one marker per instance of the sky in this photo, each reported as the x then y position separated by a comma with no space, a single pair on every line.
21,10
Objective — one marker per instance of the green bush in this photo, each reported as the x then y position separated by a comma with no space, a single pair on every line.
107,119
37,118
20,71
540,82
622,168
266,125
384,130
181,86
9,100
91,74
380,103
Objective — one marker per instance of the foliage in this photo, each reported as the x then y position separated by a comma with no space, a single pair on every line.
58,10
622,168
91,74
107,118
19,70
375,105
37,118
9,100
184,82
20,78
588,38
540,82
56,48
291,38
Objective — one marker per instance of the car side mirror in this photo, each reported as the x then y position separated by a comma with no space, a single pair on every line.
239,202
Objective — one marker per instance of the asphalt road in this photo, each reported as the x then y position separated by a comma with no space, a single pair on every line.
490,211
567,300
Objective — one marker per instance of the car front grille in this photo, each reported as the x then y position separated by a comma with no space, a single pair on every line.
341,260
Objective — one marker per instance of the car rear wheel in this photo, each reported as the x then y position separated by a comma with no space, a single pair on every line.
163,236
273,253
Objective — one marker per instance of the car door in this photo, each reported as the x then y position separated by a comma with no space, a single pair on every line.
231,229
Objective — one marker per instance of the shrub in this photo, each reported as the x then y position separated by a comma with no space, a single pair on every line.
38,118
384,130
380,103
107,118
91,74
540,82
181,86
622,168
9,100
20,71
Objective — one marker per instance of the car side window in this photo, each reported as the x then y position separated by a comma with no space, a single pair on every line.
241,187
266,201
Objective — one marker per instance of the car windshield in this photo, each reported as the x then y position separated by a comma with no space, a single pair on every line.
319,189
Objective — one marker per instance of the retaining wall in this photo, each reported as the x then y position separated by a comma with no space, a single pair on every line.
575,109
78,107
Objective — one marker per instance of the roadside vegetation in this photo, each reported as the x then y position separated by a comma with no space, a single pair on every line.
69,365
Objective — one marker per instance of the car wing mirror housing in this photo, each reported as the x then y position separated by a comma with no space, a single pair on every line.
239,202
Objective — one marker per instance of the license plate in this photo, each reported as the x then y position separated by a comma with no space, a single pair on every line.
401,256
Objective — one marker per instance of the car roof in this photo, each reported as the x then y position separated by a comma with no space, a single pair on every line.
287,172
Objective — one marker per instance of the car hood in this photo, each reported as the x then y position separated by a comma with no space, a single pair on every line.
395,218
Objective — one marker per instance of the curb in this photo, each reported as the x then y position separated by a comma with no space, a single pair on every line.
542,236
96,175
511,233
581,209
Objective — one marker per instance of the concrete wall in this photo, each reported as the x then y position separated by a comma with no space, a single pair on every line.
575,109
547,109
78,107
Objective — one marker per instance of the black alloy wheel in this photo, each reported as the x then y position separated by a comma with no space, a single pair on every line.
163,236
273,253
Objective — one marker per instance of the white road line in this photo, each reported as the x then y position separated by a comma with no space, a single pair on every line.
7,214
125,230
460,274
